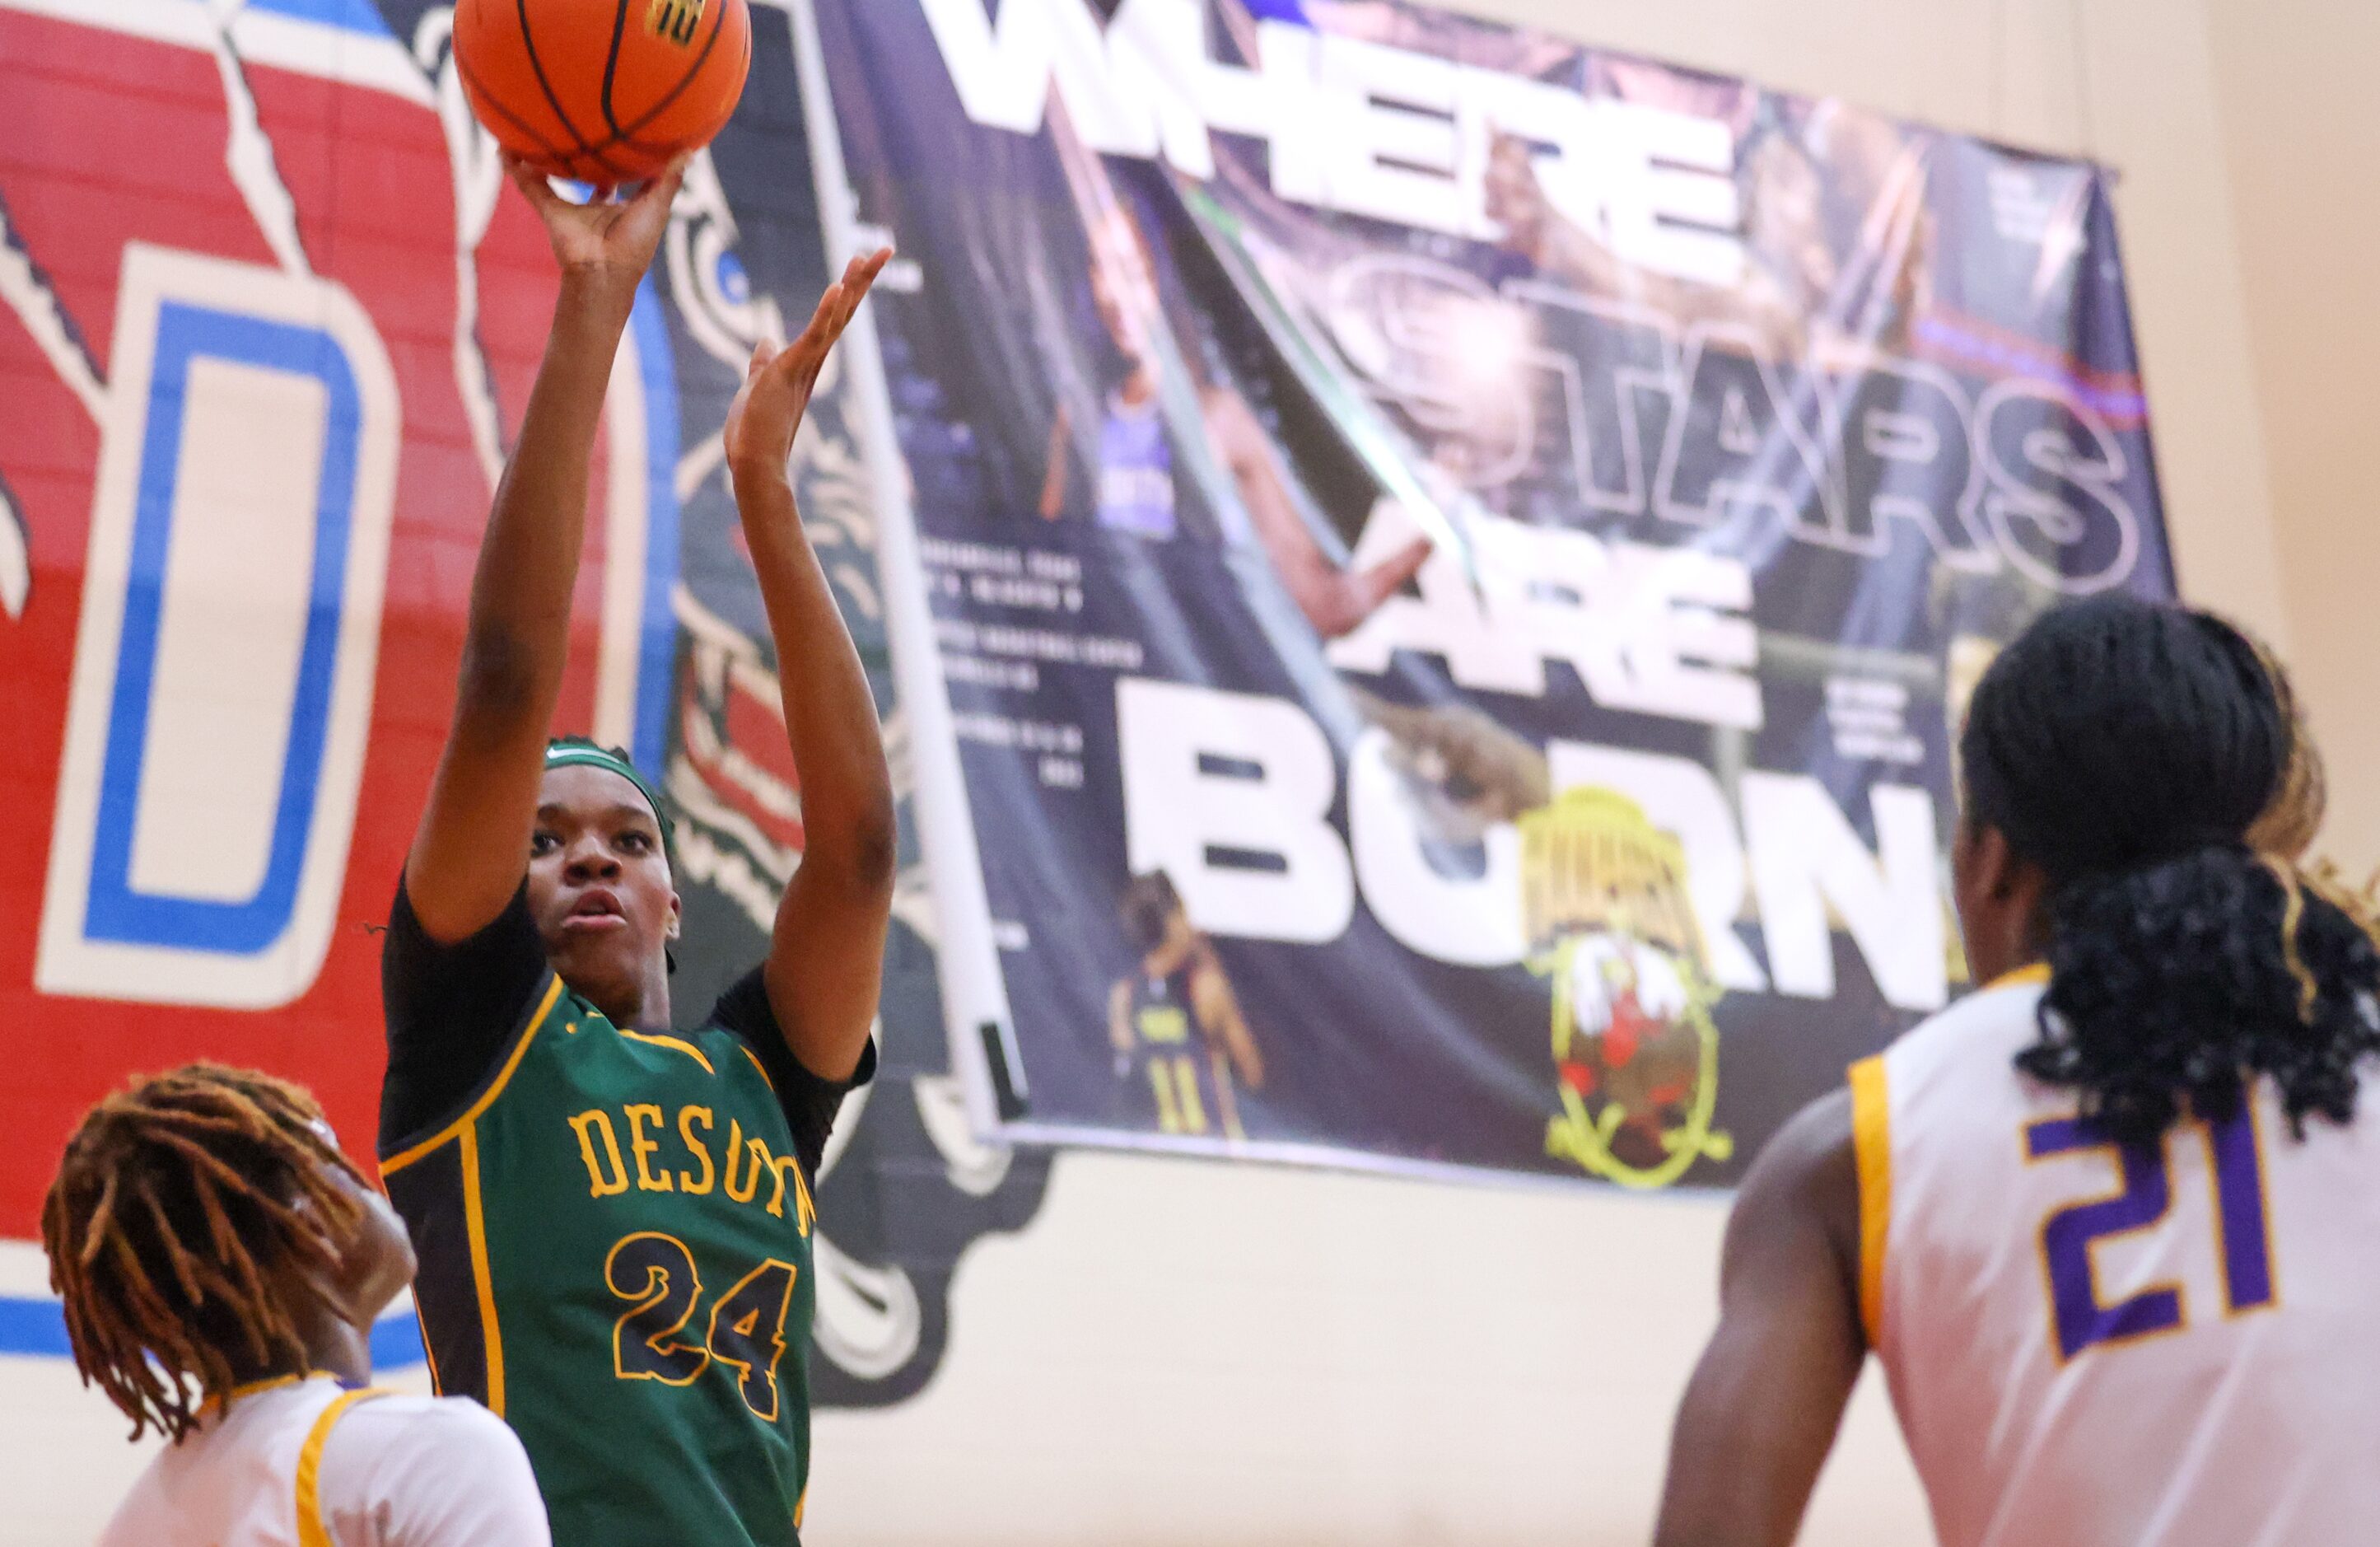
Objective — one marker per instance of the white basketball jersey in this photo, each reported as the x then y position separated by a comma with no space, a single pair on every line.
2088,1347
307,1463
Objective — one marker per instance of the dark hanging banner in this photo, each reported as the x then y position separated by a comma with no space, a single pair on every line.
1456,557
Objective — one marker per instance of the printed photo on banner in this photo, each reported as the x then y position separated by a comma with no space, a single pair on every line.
1438,536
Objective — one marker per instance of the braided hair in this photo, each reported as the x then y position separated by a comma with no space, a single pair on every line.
186,1214
2140,755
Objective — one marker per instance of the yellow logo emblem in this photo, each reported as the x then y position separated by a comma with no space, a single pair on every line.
675,21
1635,1052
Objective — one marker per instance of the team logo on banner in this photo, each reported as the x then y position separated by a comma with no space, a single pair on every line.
1635,1051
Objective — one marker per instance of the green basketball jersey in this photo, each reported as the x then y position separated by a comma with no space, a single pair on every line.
615,1258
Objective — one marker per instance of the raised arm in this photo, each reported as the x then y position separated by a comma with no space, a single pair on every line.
472,848
1053,476
1761,1412
1334,601
826,955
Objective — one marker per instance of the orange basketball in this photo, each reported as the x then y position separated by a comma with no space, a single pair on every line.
602,91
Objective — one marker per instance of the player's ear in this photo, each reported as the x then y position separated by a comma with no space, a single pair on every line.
374,1263
677,916
2007,878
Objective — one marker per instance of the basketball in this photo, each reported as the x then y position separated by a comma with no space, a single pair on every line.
604,91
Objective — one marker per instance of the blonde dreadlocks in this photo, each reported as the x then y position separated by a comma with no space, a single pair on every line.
185,1216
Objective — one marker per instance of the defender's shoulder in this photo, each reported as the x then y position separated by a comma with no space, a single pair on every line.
1992,1022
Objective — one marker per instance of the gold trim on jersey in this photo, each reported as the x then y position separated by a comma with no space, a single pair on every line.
466,1128
406,1156
1872,1149
476,1228
220,1402
758,1068
429,1355
312,1530
269,1383
2021,977
675,1045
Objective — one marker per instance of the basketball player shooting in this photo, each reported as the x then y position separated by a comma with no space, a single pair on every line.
2111,1222
614,1215
221,1263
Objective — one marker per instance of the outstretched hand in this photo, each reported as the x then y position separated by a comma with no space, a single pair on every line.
778,383
601,240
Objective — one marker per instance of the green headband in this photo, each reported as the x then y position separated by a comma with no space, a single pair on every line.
572,752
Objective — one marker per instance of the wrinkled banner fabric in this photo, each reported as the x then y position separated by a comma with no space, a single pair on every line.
1456,557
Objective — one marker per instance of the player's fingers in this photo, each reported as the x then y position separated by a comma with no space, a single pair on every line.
820,332
855,290
840,303
823,315
867,285
846,301
801,356
861,276
854,271
663,188
531,181
674,178
819,341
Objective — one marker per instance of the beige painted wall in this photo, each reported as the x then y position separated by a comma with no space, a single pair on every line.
2301,147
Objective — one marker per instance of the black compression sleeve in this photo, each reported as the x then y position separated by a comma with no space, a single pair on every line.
451,1010
809,1102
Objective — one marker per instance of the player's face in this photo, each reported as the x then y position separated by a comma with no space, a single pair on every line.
599,884
1121,285
375,1262
378,1262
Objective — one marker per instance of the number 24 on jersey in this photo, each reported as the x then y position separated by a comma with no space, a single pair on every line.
655,1273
